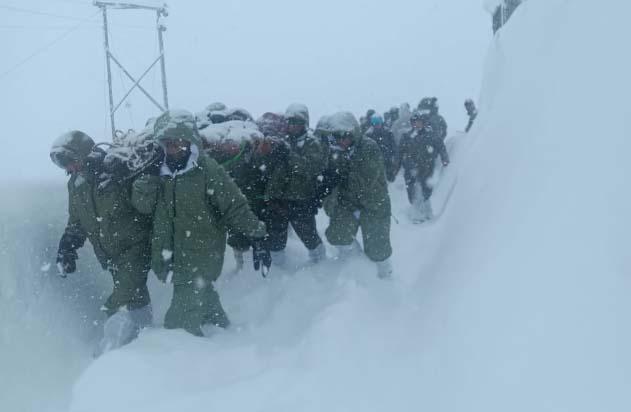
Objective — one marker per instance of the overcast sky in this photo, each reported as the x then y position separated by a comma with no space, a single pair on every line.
261,55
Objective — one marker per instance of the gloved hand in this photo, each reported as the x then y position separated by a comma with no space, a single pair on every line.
66,262
261,255
445,163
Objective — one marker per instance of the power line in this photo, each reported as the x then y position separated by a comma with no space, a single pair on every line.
39,13
53,28
46,47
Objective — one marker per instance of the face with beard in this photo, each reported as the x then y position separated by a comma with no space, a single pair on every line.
177,151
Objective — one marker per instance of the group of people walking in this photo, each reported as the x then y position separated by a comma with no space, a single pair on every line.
168,200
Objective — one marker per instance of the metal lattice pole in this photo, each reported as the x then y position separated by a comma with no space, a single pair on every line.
161,29
109,57
109,69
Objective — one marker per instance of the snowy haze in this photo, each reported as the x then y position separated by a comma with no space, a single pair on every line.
262,55
517,299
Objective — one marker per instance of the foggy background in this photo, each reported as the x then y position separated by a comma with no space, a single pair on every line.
331,55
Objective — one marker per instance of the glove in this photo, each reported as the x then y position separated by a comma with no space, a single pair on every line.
445,163
261,255
67,253
66,262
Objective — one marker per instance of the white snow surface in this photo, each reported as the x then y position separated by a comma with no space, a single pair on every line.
517,299
236,130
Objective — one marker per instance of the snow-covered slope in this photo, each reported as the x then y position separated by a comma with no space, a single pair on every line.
518,299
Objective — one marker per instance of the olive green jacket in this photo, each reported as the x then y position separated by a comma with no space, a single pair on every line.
191,212
105,216
363,185
248,174
306,164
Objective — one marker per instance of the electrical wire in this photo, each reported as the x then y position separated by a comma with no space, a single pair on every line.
38,13
45,48
54,28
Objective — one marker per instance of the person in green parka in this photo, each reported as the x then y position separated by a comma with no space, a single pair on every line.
297,203
253,155
193,202
100,210
362,198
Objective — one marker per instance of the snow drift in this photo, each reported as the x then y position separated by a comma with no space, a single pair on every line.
516,300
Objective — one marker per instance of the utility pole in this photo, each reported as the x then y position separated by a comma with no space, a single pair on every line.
109,58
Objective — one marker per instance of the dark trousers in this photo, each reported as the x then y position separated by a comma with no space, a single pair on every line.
301,215
414,178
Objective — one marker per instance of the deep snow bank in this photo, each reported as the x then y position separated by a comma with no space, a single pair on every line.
516,300
46,323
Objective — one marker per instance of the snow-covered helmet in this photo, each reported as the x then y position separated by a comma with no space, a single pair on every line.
73,146
298,111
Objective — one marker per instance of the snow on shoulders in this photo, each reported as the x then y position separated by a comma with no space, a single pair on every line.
236,130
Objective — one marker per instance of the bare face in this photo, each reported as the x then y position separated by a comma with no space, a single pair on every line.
176,148
296,127
343,140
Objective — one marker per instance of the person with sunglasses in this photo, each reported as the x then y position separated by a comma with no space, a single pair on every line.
361,196
100,210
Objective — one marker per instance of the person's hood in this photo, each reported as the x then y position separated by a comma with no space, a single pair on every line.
298,110
177,124
345,122
323,127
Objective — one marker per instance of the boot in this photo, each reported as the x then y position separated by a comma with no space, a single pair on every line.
384,269
123,327
318,254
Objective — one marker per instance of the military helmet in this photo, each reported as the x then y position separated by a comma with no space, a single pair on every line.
297,111
344,124
177,124
429,103
73,146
